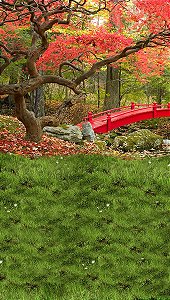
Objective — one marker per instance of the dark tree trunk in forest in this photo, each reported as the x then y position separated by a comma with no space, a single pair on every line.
160,93
37,102
31,123
112,95
98,89
13,79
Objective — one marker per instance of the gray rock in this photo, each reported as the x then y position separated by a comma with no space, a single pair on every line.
69,133
166,142
166,145
88,132
140,140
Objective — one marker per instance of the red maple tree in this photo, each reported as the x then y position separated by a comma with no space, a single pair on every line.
138,25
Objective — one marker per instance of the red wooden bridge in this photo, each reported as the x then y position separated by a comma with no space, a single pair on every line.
108,120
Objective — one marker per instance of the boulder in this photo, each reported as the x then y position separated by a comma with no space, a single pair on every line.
71,133
140,140
88,132
166,145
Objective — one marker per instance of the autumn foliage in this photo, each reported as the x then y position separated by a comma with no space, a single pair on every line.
63,42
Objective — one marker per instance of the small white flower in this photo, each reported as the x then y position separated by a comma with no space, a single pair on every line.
15,204
61,157
34,148
8,211
93,261
107,204
83,265
1,261
85,268
56,162
100,211
169,165
149,162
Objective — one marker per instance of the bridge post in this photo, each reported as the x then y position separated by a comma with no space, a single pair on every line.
168,105
90,116
132,105
108,122
154,109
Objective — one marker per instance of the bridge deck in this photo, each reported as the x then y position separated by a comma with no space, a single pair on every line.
117,117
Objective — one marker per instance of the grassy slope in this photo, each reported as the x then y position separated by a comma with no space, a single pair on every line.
84,227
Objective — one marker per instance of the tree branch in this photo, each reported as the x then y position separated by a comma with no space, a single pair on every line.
148,42
67,63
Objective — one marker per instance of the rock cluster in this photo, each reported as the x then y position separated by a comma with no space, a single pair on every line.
72,133
140,140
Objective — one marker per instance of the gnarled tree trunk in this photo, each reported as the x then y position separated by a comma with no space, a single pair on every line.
31,123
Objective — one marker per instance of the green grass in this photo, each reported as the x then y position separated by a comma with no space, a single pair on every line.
84,228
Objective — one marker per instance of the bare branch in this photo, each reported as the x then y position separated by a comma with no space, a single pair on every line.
67,63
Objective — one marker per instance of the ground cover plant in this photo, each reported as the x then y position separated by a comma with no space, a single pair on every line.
84,227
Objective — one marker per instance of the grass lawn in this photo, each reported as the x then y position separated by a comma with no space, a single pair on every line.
84,228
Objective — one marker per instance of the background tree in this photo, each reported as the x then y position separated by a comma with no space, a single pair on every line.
113,80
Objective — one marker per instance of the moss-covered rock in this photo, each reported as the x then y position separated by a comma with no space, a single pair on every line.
101,145
107,138
139,140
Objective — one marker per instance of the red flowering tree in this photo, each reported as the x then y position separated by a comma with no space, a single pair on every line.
138,24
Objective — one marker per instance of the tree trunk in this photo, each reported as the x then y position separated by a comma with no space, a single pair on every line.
12,79
31,123
160,93
37,102
98,89
112,95
11,97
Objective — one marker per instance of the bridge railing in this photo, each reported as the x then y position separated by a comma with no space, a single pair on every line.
133,106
